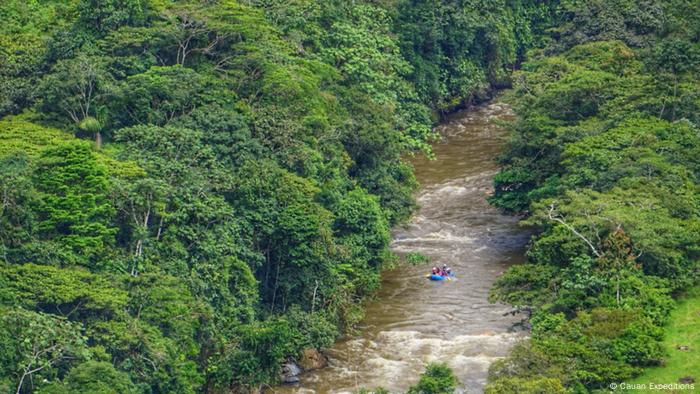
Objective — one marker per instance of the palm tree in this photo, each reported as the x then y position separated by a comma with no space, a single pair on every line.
94,126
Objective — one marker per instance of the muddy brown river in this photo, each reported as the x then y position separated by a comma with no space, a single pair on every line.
414,321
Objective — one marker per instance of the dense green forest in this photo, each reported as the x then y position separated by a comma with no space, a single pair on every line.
194,191
604,162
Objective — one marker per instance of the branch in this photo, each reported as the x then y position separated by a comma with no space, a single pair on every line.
551,215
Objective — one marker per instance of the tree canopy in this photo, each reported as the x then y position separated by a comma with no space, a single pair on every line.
603,163
195,191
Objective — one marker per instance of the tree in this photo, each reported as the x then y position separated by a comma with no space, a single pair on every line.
634,22
189,27
291,231
160,95
102,16
70,293
618,259
149,356
20,60
98,377
74,207
79,88
140,203
37,344
255,358
17,195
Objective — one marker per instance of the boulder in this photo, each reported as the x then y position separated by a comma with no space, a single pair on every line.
290,373
312,359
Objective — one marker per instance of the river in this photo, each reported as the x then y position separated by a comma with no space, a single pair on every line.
414,321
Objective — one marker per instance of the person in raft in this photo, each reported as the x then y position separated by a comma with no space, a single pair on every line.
446,271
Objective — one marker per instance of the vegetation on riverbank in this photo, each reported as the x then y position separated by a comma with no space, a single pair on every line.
437,379
604,162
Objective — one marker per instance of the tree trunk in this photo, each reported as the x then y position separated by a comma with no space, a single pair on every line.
274,291
313,299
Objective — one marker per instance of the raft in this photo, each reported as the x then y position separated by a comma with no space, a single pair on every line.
439,277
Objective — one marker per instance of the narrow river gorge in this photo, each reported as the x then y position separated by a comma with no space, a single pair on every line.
414,321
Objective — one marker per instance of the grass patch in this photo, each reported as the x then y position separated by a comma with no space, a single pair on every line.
682,345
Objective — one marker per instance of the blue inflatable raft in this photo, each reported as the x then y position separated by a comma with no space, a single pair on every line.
440,277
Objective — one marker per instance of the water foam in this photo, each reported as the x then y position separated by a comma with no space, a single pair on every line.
436,236
401,355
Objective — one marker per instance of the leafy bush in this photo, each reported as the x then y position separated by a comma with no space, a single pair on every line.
437,379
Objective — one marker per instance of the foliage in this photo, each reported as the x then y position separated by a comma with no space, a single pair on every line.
19,135
437,379
73,206
37,346
635,23
526,386
63,292
77,87
377,390
459,50
602,161
236,207
103,16
98,377
250,159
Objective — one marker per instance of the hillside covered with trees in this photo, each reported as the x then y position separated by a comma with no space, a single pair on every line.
194,191
604,162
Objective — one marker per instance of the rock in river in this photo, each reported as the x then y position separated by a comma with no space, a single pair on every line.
312,359
290,372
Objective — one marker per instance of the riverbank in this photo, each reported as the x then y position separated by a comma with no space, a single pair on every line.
682,345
